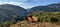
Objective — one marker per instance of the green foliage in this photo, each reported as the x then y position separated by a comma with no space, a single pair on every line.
46,16
5,23
12,20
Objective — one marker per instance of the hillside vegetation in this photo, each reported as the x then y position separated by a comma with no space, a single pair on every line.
45,19
47,16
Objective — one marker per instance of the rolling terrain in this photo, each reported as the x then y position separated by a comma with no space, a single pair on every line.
13,16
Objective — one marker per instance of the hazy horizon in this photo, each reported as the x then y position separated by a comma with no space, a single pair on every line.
29,3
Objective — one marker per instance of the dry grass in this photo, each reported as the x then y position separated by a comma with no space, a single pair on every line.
38,24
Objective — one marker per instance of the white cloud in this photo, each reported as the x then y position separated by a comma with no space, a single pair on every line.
22,4
28,3
14,3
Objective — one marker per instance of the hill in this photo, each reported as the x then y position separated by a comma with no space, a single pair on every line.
9,13
47,8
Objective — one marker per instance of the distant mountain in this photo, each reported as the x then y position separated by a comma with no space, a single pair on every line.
48,8
7,11
57,5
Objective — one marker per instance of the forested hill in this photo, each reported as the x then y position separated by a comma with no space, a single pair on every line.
11,13
47,8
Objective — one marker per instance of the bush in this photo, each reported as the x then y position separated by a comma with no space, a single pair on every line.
54,19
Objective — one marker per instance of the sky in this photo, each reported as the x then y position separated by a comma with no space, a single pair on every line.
29,3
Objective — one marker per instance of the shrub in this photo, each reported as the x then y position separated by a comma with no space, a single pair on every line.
54,19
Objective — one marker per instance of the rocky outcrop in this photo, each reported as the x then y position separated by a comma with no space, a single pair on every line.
31,18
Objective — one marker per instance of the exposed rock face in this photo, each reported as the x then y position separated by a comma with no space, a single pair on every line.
31,19
35,19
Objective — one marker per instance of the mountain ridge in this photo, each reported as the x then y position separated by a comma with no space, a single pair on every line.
47,8
8,12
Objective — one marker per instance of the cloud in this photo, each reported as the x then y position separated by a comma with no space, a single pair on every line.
14,3
21,4
28,3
